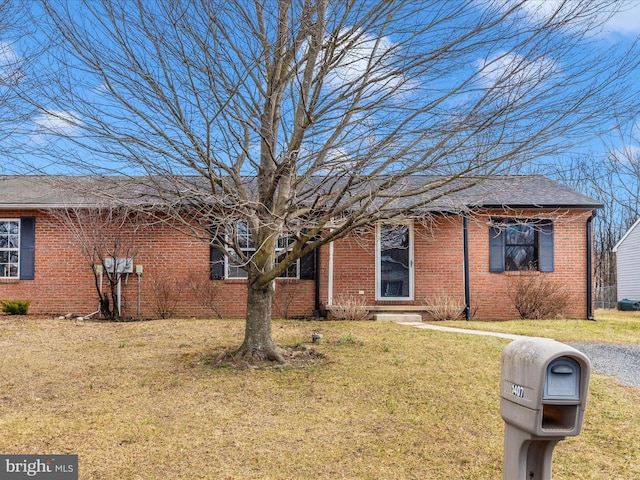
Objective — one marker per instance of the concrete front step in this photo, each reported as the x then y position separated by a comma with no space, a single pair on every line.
397,317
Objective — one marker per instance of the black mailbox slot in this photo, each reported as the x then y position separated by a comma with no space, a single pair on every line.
559,417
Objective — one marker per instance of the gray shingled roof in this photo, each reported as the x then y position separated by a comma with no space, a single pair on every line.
521,192
50,191
524,191
31,192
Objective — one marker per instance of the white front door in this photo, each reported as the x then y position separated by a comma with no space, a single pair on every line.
394,261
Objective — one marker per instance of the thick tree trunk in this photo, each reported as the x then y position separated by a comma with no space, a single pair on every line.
258,344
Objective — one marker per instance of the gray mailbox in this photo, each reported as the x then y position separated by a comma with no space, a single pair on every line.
543,395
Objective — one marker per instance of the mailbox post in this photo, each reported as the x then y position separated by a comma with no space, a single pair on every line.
543,395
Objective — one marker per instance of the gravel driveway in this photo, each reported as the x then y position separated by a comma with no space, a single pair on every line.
616,360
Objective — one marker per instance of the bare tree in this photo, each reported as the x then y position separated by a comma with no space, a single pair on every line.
106,238
13,113
307,119
612,177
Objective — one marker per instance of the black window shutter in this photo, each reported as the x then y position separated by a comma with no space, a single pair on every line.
545,246
27,248
216,259
308,266
496,249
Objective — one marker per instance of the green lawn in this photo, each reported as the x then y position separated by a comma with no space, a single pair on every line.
137,401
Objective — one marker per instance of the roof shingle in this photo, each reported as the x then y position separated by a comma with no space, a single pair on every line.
527,191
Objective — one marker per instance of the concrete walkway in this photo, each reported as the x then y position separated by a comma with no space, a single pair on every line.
509,336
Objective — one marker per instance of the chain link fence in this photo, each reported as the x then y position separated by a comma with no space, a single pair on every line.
606,297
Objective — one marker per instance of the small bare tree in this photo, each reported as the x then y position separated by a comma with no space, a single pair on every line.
286,295
106,238
206,292
167,290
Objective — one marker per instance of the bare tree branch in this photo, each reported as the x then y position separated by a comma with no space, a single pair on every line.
107,239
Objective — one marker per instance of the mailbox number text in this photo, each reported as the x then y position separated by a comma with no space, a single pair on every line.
517,390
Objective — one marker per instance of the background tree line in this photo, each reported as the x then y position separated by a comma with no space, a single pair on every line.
613,178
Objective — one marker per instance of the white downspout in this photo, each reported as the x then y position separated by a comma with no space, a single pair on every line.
119,292
330,275
99,272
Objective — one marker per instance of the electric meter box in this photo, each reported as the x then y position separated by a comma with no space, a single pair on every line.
544,386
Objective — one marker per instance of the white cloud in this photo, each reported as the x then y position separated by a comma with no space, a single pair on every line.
339,161
9,63
624,22
8,55
626,154
625,147
512,71
356,58
541,9
367,60
54,122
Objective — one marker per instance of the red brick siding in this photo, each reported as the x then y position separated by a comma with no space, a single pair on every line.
439,264
64,282
489,290
438,269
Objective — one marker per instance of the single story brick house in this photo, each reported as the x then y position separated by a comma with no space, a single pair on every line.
470,247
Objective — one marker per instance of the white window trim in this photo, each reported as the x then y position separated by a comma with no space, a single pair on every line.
16,220
227,259
227,265
411,296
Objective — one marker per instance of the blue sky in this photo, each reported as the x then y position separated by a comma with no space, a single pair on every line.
621,29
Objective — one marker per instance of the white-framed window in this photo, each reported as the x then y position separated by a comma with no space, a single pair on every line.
245,244
284,244
235,268
9,248
516,245
394,261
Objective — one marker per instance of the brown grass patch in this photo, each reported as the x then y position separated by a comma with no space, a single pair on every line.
139,401
299,357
